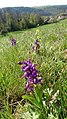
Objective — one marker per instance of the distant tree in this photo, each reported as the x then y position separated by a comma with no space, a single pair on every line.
36,19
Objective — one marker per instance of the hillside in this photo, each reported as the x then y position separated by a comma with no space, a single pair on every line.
47,100
44,10
54,10
19,18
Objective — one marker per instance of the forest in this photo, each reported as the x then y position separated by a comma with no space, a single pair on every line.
19,18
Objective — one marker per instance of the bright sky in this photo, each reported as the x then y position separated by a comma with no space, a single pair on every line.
30,3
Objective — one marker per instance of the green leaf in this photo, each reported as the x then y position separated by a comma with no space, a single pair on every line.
38,94
32,100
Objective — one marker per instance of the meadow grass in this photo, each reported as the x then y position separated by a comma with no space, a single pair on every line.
52,65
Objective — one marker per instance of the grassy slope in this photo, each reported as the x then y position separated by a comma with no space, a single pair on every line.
51,62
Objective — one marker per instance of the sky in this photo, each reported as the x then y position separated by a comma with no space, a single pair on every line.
30,3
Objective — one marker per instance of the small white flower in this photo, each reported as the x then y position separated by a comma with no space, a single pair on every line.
44,103
54,97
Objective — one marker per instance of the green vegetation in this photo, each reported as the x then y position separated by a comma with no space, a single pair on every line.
10,22
19,18
15,101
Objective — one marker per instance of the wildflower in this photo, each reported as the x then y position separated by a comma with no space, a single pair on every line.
54,97
31,74
36,34
36,46
13,42
44,103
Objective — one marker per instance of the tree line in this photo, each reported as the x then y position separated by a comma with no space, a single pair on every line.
12,22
